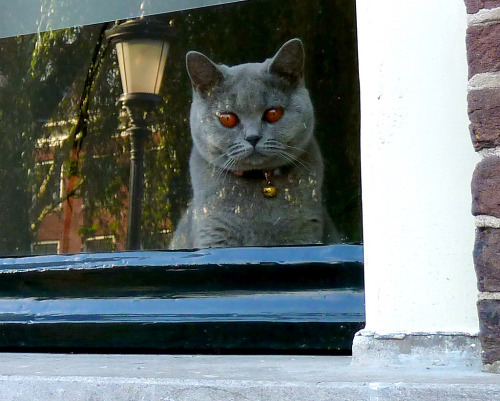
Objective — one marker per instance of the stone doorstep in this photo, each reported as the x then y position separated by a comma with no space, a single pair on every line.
34,377
417,350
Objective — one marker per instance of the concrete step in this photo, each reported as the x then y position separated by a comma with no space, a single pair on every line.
57,377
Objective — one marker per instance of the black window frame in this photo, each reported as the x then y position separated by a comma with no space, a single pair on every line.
286,299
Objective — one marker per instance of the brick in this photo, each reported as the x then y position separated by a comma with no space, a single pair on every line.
473,6
489,324
483,52
486,187
487,259
484,115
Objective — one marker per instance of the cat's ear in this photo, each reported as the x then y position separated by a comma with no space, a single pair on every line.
203,73
288,63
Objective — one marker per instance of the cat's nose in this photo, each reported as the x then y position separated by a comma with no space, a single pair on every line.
253,139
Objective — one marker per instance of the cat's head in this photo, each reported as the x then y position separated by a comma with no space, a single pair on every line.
251,116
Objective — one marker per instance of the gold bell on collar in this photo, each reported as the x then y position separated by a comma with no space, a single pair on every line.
269,190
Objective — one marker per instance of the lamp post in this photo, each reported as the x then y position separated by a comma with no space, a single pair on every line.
142,47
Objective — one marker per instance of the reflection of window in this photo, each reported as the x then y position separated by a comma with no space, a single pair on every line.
45,248
99,244
72,121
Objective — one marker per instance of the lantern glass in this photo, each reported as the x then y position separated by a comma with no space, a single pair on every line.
141,63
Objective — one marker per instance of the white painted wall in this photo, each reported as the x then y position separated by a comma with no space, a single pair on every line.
417,164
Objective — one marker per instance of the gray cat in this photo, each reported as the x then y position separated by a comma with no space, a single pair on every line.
256,169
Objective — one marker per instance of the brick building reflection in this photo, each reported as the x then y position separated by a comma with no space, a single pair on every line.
60,229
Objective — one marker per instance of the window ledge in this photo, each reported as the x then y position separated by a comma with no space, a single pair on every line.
208,377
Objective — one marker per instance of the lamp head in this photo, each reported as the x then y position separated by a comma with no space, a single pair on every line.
142,46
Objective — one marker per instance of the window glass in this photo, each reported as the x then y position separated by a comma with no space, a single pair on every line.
273,163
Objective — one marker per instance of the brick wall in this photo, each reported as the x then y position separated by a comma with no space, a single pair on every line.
483,53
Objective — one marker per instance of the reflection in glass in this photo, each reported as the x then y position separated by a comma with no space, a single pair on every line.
64,159
139,67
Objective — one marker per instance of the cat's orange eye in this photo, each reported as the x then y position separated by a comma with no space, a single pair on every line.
228,119
273,114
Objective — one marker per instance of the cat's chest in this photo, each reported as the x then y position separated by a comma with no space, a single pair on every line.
244,198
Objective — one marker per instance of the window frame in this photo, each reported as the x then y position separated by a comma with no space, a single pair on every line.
210,300
61,302
45,242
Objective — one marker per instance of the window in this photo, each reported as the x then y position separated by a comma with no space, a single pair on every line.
99,244
64,129
45,248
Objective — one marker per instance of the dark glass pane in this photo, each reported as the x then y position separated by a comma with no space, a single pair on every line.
64,162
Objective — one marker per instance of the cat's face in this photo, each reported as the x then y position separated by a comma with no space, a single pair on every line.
251,116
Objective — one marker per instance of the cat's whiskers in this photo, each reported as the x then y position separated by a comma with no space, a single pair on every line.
216,160
296,148
293,160
221,170
226,168
281,146
239,151
280,149
216,168
229,168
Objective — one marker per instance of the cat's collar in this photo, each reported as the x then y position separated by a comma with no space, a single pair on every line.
269,190
258,174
